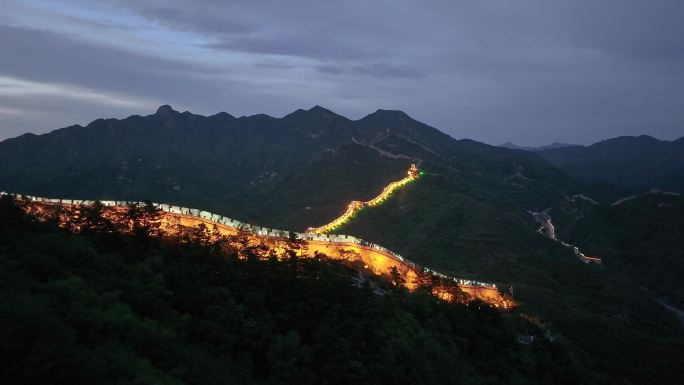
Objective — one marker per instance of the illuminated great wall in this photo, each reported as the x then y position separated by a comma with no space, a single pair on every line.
375,258
355,206
548,230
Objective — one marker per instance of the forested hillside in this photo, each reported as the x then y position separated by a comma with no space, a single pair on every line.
642,238
638,163
600,307
104,307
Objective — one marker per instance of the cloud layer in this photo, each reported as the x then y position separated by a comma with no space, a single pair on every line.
530,72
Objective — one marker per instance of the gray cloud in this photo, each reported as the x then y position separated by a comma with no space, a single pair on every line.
288,46
530,72
380,70
52,57
189,18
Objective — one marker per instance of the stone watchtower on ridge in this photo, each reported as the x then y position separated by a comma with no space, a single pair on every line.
413,171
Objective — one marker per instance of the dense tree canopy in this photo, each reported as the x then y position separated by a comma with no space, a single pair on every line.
103,307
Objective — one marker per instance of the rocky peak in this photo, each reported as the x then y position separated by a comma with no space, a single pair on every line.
165,111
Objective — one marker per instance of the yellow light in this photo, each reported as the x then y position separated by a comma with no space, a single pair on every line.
355,206
376,259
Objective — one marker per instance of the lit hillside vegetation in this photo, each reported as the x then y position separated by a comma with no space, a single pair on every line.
109,308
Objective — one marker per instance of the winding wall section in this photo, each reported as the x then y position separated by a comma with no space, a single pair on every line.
340,247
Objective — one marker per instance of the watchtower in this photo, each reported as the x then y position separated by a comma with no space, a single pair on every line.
413,171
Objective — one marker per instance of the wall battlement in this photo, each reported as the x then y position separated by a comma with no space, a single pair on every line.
355,206
375,257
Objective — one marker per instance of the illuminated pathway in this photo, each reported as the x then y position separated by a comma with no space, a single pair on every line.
548,230
345,248
355,206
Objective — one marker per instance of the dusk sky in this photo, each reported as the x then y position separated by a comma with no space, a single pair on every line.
529,72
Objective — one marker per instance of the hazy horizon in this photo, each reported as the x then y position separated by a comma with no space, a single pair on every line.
528,72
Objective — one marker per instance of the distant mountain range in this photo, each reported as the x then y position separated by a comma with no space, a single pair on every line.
539,148
637,163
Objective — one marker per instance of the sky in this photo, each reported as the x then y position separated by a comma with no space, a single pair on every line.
528,72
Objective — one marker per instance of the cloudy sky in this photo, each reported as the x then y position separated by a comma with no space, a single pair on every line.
530,72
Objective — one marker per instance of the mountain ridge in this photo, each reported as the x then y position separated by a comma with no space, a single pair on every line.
537,148
639,163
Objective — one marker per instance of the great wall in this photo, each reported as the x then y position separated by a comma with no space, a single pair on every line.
377,259
548,230
355,206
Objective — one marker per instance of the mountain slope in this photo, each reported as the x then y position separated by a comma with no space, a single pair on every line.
110,308
600,308
256,168
466,216
641,237
639,163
